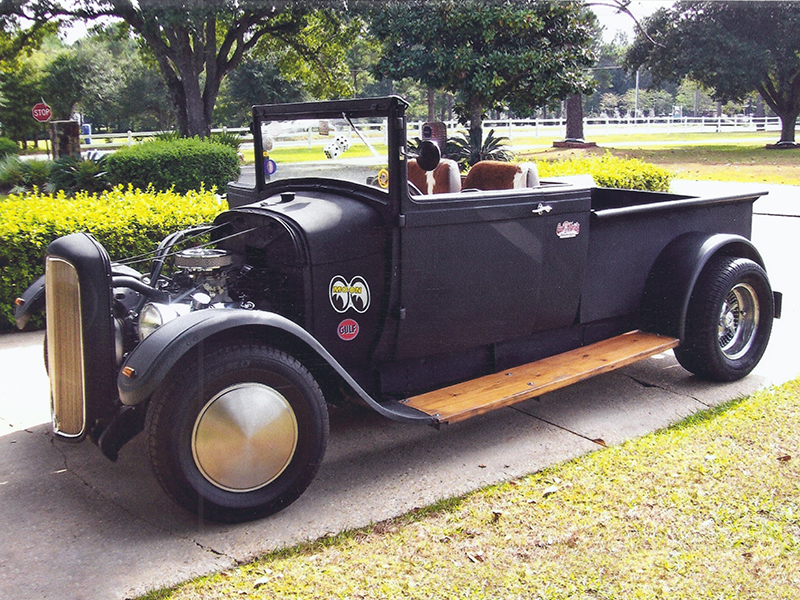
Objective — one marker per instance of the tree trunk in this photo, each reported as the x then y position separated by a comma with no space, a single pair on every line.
574,104
788,124
475,118
786,106
431,105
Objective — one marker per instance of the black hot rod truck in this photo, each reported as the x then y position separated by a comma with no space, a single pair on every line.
352,271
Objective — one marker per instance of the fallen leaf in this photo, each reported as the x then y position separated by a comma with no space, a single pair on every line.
260,581
600,442
550,491
785,458
476,557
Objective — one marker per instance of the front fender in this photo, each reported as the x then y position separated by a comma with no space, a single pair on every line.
671,280
31,302
152,360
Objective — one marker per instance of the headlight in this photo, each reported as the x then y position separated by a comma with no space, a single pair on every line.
154,315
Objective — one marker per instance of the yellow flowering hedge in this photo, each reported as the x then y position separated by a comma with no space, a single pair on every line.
126,221
611,171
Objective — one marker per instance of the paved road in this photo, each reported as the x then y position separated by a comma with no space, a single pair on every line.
75,525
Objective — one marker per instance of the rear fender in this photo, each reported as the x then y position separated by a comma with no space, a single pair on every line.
669,286
153,359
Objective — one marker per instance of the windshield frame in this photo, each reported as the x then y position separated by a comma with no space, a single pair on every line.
392,108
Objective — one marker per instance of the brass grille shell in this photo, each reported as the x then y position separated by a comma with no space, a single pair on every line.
65,348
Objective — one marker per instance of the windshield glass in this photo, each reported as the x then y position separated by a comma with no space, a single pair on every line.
347,149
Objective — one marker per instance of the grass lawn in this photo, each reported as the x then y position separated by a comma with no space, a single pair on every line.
704,156
709,508
713,157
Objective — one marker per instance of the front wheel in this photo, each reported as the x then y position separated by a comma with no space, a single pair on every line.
237,434
729,320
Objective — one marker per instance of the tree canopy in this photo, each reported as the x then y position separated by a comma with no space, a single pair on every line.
521,55
734,48
195,45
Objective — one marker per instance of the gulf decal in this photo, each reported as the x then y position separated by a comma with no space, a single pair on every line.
345,294
347,330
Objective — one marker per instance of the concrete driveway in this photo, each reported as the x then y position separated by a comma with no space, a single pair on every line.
75,525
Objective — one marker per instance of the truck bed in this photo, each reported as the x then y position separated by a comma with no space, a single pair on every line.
628,230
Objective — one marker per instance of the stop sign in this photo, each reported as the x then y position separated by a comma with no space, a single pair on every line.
41,112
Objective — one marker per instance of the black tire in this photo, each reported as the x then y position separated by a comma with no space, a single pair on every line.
237,434
729,320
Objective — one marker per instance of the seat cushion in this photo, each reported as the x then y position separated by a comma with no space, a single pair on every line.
444,179
497,175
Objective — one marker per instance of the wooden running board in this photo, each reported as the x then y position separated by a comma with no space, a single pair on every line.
478,396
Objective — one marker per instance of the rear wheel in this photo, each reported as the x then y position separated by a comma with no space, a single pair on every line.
729,320
238,434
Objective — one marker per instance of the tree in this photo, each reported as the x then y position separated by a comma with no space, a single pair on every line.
124,91
495,55
694,98
20,89
66,80
195,45
254,82
733,48
22,29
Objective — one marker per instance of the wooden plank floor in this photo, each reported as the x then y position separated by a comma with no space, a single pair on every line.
471,398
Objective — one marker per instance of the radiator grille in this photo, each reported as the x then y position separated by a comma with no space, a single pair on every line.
65,348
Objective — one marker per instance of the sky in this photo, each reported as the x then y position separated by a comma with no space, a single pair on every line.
613,21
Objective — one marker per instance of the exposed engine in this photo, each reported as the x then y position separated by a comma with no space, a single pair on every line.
204,270
247,269
201,278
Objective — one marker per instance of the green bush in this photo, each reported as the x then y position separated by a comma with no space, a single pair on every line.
181,165
7,147
19,175
70,174
226,138
610,171
11,175
36,173
127,222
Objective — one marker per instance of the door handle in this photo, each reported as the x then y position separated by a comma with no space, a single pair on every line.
542,209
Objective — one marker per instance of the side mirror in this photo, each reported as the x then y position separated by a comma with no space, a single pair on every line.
429,155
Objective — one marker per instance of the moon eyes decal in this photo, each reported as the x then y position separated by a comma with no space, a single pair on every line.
349,294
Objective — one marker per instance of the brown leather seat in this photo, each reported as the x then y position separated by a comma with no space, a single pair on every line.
444,179
497,175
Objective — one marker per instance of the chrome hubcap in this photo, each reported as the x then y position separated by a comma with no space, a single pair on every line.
738,321
244,437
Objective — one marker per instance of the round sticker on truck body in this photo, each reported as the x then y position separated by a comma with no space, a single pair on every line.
348,330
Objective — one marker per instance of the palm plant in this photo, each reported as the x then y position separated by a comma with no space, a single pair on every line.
72,174
468,150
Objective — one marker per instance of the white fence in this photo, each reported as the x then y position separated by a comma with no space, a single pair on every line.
527,128
515,128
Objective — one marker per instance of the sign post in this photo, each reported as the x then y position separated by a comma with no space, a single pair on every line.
42,113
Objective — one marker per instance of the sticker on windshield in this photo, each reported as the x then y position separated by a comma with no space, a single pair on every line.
349,294
383,179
